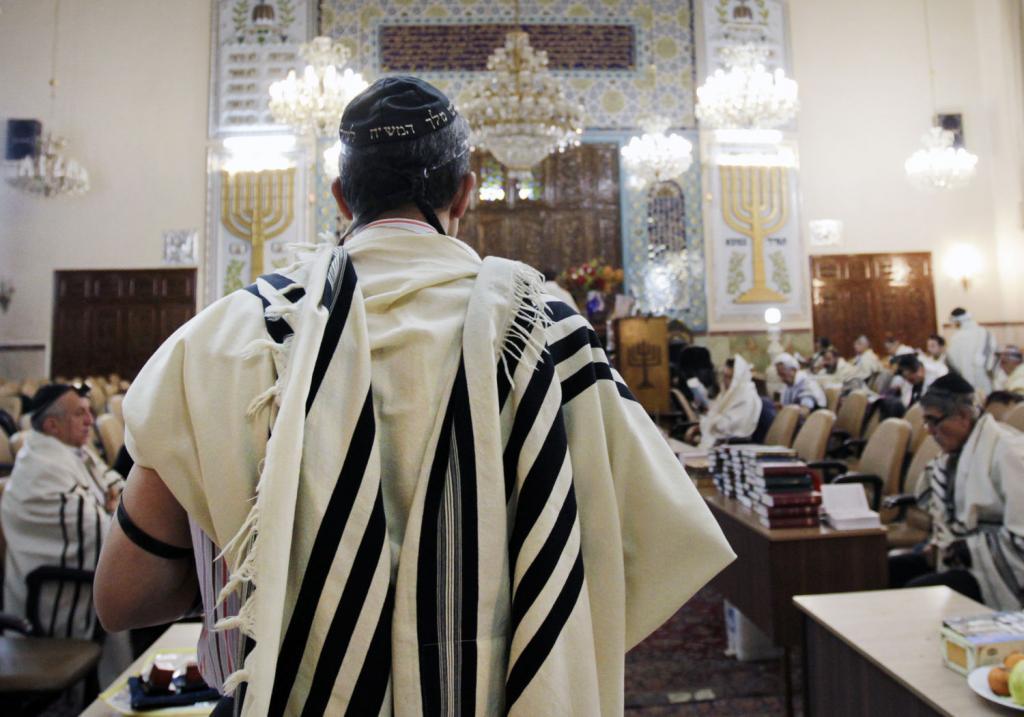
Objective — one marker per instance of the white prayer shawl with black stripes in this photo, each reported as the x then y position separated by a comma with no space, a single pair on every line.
551,528
983,503
53,514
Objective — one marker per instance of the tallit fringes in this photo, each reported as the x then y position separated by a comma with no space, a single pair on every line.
235,679
263,401
522,338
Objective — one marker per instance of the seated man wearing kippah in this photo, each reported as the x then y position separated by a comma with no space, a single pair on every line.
974,492
801,390
461,508
55,512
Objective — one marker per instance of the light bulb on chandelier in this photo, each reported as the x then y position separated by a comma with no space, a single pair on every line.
940,165
655,156
747,96
314,102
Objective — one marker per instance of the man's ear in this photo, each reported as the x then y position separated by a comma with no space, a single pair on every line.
460,203
340,199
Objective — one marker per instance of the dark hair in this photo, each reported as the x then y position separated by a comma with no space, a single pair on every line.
890,339
824,342
947,402
938,339
730,363
1008,397
907,362
382,177
958,311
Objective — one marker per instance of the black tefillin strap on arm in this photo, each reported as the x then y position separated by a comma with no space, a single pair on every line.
146,541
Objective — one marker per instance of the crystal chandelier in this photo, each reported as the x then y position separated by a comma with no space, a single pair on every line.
48,172
655,156
939,165
747,96
518,111
314,102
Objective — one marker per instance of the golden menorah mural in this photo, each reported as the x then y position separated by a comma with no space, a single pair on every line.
257,207
754,204
644,356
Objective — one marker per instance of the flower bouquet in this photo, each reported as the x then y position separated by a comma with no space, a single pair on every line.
589,283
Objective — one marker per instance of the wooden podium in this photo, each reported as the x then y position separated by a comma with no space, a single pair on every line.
642,359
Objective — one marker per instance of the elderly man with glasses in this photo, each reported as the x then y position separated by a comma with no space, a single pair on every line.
974,492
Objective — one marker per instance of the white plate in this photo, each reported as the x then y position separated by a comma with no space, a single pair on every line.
978,681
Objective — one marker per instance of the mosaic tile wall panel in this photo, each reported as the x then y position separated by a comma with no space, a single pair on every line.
615,99
427,48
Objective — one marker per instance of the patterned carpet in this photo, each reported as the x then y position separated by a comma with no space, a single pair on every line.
682,670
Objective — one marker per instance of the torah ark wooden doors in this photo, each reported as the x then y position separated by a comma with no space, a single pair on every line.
873,294
565,214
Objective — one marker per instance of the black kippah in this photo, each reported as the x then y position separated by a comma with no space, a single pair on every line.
395,109
48,395
952,383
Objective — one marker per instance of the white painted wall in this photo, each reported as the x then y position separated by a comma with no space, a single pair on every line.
863,73
132,101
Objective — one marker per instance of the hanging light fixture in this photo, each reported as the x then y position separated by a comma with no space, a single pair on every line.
939,164
517,111
47,171
657,157
314,102
748,96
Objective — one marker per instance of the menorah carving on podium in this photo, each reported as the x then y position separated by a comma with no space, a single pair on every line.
257,207
754,204
644,355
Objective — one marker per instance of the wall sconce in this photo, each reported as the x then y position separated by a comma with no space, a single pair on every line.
6,292
963,262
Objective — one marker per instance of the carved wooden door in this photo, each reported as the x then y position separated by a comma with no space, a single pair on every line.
875,295
112,321
566,214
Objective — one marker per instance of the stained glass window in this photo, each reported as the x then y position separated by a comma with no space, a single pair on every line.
528,189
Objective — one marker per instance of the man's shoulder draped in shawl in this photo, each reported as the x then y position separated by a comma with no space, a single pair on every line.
979,497
551,528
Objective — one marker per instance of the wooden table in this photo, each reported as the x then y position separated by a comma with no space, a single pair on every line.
877,652
772,566
177,636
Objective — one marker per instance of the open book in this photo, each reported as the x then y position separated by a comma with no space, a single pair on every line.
846,507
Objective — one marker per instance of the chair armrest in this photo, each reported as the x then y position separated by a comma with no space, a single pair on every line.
49,573
13,622
901,502
829,469
874,481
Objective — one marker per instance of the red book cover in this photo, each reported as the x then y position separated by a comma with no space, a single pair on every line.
779,499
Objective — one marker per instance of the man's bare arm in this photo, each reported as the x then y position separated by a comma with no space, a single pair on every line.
135,588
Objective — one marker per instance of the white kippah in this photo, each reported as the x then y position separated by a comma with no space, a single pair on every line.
786,360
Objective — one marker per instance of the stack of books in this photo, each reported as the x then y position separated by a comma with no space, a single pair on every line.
771,481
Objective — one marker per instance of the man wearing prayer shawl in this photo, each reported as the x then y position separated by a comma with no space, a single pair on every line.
916,375
866,362
54,513
461,509
975,494
1010,376
735,412
971,351
801,390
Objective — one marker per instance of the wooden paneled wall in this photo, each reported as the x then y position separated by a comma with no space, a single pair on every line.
112,320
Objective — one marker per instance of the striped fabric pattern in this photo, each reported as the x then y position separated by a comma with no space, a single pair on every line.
335,654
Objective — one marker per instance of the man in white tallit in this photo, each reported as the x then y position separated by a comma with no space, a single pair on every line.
975,494
866,361
54,513
735,412
461,509
801,390
971,351
915,377
1010,376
